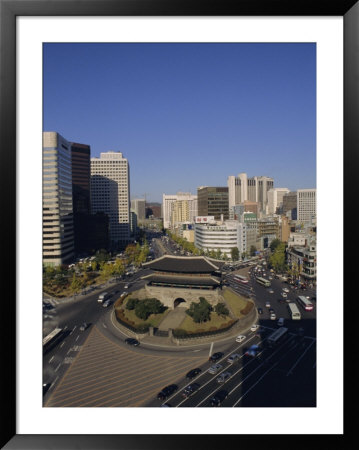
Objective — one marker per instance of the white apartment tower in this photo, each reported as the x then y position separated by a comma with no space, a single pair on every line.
306,205
110,194
168,202
57,211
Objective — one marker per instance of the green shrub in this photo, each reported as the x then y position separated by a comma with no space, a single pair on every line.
247,309
131,303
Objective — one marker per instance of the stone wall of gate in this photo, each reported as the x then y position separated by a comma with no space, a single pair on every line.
168,295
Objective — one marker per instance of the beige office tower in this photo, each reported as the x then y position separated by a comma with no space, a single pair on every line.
110,194
242,188
307,205
237,189
57,210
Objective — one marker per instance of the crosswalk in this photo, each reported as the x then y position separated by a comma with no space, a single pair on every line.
52,301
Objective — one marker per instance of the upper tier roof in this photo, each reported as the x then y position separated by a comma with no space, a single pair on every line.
183,264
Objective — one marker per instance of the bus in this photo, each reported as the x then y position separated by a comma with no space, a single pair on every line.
241,279
305,303
51,338
277,336
294,311
263,281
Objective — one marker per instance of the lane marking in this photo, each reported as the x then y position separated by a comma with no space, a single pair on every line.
290,371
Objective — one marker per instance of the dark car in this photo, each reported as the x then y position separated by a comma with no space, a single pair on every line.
218,398
216,356
167,391
46,306
271,310
253,351
132,341
84,326
190,390
260,310
45,388
193,373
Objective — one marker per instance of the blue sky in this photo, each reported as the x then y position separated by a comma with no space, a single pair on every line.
188,115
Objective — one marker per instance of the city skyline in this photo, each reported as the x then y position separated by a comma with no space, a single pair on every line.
188,115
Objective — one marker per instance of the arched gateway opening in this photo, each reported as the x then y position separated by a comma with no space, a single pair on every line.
178,301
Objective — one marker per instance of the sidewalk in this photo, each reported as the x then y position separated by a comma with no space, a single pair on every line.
84,294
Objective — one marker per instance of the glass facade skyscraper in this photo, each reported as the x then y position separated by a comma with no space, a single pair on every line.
58,230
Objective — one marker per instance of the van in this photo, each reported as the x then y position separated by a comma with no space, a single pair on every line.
280,322
102,297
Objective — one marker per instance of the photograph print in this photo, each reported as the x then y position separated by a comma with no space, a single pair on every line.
179,225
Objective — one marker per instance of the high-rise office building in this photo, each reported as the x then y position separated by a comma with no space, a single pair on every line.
213,201
242,188
275,199
110,194
81,172
290,205
58,230
138,206
307,205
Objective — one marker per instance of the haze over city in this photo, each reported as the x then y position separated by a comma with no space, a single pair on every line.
188,115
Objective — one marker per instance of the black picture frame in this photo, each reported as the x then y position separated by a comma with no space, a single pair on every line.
9,10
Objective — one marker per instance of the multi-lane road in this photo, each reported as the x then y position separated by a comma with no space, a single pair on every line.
96,368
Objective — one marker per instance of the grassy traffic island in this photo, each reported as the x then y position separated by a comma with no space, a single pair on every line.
202,318
139,314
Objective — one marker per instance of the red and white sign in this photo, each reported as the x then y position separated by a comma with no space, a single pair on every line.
204,219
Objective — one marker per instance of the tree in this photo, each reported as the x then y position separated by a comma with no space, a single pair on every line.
277,259
218,254
252,250
131,303
76,284
144,308
102,256
235,254
274,244
221,309
200,312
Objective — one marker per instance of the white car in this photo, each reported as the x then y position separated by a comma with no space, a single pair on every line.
284,295
214,369
254,327
224,376
273,316
126,286
233,358
271,291
240,338
285,290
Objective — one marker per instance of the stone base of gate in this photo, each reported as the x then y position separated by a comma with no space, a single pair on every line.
168,296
